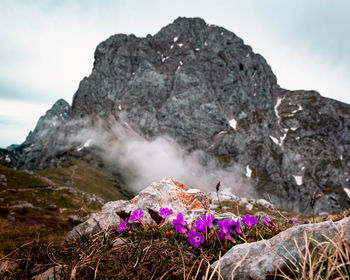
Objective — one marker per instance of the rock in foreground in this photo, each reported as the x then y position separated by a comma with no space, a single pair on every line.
168,193
258,259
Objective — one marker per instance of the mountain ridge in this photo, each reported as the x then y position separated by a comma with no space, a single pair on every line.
200,85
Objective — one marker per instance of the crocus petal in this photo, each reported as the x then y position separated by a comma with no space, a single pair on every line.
195,238
122,226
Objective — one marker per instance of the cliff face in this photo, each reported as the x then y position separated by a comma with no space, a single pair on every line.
202,86
25,155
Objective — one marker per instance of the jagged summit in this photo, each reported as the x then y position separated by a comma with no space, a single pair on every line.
25,155
200,85
52,118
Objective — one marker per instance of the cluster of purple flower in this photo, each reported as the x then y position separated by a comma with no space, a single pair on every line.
137,214
179,223
165,212
266,221
196,236
226,228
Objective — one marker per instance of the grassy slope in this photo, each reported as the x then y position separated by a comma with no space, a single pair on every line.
87,178
54,196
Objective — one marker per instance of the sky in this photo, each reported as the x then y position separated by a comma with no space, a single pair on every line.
47,46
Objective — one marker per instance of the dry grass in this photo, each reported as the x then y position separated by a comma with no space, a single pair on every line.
148,253
325,260
156,252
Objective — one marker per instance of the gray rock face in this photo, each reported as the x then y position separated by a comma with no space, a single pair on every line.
202,86
190,79
6,158
25,155
266,256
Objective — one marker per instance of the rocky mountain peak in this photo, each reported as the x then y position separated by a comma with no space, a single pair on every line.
200,85
25,155
52,118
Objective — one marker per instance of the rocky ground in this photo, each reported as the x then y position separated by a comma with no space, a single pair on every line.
256,253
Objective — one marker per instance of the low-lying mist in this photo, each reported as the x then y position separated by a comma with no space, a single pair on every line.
145,161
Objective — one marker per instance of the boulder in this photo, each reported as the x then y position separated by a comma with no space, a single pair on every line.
258,259
7,267
53,273
23,207
168,193
3,180
264,203
223,195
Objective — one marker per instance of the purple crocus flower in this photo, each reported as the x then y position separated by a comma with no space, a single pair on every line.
200,226
122,226
136,216
208,220
266,221
165,212
225,226
221,236
195,238
250,221
294,220
180,223
237,226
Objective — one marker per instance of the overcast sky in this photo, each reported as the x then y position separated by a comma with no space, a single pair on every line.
47,46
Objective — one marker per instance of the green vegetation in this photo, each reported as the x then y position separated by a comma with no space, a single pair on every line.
85,177
19,179
53,195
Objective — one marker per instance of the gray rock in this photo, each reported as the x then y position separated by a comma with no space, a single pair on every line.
264,203
75,218
22,207
244,201
3,180
226,215
263,257
223,195
24,156
95,223
168,193
249,206
53,273
7,267
261,215
51,206
12,147
118,241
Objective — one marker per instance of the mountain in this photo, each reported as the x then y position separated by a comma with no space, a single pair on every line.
201,86
24,156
